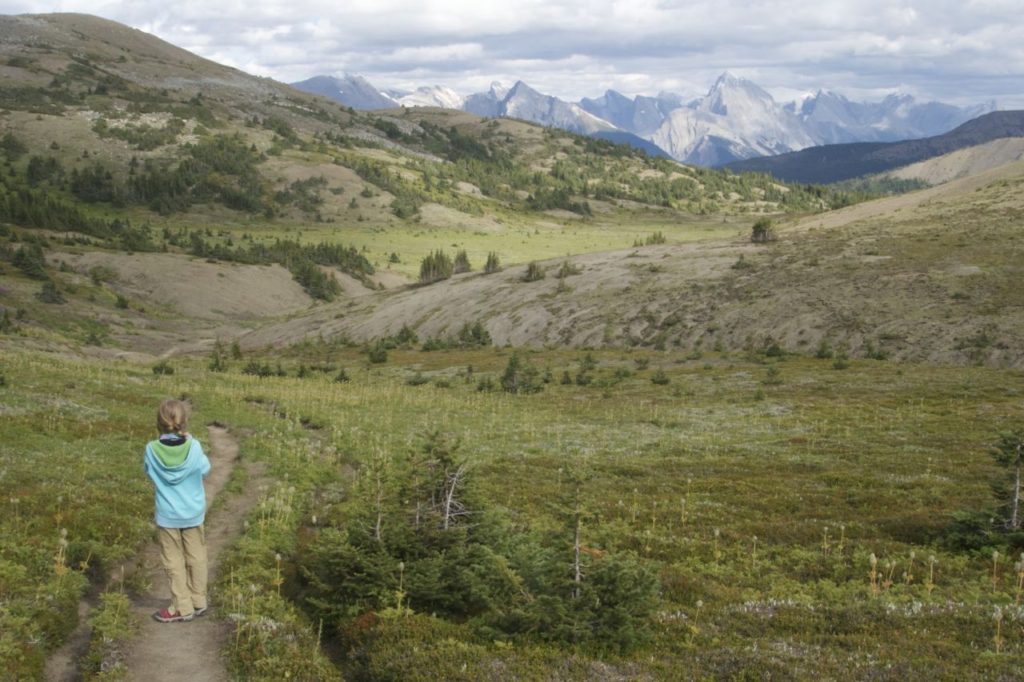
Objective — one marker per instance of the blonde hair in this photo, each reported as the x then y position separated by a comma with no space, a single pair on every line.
172,417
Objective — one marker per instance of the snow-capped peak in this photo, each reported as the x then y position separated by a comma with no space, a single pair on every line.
731,95
499,91
735,119
436,96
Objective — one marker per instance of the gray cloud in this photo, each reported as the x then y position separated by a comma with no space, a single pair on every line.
960,51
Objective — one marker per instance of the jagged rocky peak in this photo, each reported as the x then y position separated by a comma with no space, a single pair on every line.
735,119
498,90
730,91
349,89
520,88
433,96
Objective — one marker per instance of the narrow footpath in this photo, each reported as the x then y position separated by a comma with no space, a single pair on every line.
191,650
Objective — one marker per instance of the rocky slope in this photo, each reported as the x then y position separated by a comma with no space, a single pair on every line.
353,91
886,278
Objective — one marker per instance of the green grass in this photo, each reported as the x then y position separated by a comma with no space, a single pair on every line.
824,469
516,237
757,489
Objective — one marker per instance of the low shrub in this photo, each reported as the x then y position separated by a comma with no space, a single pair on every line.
49,293
534,272
163,368
493,263
520,377
377,353
113,623
258,369
660,378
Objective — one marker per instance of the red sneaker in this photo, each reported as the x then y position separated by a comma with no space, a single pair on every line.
166,616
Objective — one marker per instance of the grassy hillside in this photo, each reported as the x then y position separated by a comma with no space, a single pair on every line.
252,176
664,451
838,162
114,141
964,162
78,87
928,276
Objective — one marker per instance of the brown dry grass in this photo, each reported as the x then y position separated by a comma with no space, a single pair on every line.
930,276
964,162
197,289
926,276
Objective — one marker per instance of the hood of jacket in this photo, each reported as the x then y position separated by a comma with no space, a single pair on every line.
172,463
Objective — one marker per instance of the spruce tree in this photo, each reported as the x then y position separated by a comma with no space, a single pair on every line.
493,263
520,378
30,260
762,231
1009,453
461,263
49,293
534,272
435,267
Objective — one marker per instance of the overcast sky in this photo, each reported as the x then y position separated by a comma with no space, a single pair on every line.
958,51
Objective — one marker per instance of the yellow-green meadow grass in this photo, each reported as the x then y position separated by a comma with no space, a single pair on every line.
724,492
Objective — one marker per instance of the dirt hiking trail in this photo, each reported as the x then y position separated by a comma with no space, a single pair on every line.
190,650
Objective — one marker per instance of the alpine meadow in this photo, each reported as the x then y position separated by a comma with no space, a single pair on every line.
502,401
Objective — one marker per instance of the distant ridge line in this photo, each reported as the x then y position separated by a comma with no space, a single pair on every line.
837,162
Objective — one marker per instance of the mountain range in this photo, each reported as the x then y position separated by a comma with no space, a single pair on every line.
736,120
837,162
108,128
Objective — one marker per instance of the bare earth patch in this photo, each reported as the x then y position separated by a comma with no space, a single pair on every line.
199,289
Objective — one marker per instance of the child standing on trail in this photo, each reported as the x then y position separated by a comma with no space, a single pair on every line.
177,465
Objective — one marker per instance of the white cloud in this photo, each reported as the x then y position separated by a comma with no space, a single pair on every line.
954,50
438,53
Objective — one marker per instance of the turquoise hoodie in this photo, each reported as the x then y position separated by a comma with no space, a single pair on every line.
178,471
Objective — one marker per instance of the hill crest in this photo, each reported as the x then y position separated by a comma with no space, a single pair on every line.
834,163
208,165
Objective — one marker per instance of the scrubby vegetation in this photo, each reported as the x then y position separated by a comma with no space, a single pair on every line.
493,263
470,336
534,272
22,205
25,205
435,267
419,523
445,508
762,231
879,185
552,505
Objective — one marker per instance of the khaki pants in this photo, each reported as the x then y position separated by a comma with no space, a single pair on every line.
183,553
